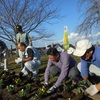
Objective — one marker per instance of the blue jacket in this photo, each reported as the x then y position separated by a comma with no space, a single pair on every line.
95,61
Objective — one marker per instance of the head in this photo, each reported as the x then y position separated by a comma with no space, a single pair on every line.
19,29
53,54
22,46
84,49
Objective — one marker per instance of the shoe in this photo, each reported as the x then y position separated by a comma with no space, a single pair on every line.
1,64
35,73
6,69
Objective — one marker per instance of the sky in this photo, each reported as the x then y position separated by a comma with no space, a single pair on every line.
71,18
69,11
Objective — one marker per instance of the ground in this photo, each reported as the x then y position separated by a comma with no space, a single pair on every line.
36,83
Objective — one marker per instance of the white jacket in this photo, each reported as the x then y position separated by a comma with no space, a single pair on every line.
36,55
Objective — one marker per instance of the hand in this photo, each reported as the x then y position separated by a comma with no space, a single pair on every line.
84,84
45,85
1,54
18,60
52,89
92,90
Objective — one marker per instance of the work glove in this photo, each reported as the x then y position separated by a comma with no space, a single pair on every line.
52,89
18,60
45,85
1,54
92,90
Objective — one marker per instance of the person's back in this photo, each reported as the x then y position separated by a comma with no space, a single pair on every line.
22,37
72,62
36,52
97,56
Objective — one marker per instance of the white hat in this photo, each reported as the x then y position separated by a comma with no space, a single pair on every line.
81,47
70,50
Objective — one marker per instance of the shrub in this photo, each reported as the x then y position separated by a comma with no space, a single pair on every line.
22,93
11,88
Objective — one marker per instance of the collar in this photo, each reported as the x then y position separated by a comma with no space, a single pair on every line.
93,56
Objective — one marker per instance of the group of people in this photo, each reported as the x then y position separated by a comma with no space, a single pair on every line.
64,64
59,63
29,57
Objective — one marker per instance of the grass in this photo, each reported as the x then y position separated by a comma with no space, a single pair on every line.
12,66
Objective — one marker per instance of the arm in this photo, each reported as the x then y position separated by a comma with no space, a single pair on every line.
3,47
98,86
64,69
27,38
30,55
47,73
27,59
17,38
84,69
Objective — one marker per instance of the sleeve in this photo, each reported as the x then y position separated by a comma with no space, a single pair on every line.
30,52
64,69
27,37
47,72
17,38
3,47
84,68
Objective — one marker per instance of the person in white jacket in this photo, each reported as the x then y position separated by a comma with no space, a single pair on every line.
4,54
31,59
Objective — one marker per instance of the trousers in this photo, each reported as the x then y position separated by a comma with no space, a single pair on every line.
31,66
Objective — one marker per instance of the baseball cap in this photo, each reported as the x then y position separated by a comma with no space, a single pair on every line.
81,47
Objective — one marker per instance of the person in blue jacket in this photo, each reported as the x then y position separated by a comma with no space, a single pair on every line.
90,61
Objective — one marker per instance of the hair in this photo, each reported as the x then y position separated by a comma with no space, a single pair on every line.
23,44
52,51
88,50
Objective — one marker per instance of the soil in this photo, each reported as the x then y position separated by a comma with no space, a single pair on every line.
35,82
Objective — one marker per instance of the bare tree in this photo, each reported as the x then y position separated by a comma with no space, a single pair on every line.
31,14
91,16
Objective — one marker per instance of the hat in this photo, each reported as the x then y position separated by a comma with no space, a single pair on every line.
18,28
81,47
70,50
